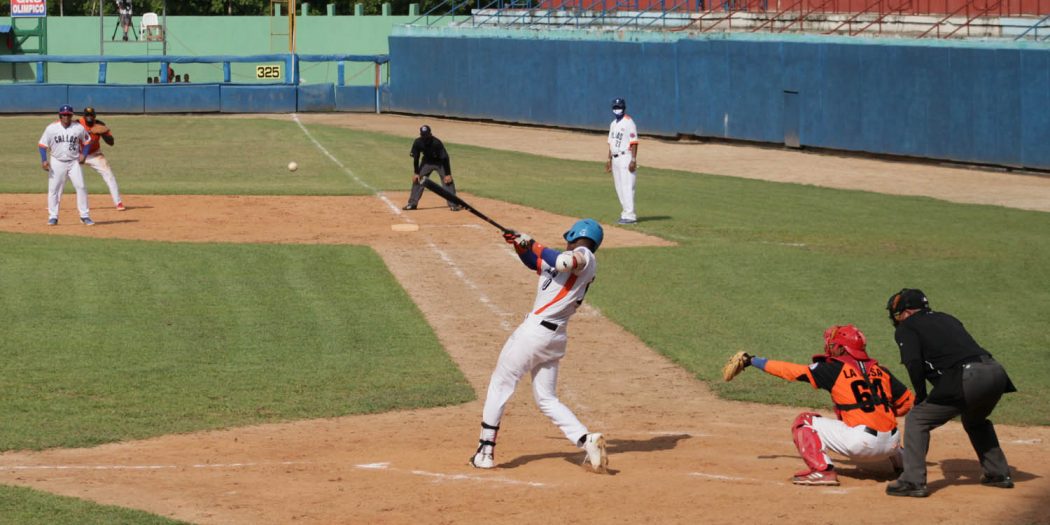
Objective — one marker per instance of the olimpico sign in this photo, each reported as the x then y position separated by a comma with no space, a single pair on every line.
28,8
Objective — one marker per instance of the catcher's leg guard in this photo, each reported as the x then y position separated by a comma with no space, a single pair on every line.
808,442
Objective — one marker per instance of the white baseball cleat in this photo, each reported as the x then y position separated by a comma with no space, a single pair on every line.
483,460
596,459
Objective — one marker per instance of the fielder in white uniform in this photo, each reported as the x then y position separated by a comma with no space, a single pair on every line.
94,156
538,344
67,142
623,159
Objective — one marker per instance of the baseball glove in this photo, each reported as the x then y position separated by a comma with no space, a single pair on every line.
99,129
736,364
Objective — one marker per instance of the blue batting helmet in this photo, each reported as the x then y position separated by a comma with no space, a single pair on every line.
619,103
66,109
588,229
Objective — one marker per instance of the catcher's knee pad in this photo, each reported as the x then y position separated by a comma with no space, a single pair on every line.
805,418
808,442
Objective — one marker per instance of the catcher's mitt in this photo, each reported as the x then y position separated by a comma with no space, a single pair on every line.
736,364
99,129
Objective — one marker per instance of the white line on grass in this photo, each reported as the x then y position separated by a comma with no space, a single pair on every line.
503,315
390,204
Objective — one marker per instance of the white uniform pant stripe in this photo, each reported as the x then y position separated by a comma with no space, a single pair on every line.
101,165
624,180
538,350
56,183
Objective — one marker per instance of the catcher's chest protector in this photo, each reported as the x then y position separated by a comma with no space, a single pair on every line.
863,398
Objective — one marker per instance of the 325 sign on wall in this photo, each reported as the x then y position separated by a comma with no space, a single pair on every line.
268,71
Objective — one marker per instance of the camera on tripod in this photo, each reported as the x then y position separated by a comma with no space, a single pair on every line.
124,22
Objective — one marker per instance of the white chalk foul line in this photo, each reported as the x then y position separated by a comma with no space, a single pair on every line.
449,477
390,204
397,211
14,468
827,489
484,299
720,477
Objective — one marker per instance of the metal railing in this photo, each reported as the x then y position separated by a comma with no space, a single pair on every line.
803,13
1044,22
676,8
290,61
972,12
825,16
883,12
445,9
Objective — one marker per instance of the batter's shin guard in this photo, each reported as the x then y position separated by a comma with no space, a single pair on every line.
808,443
488,437
485,456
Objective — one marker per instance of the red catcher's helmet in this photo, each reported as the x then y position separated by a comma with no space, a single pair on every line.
848,337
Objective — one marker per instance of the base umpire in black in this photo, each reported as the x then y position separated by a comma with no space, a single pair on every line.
966,381
434,158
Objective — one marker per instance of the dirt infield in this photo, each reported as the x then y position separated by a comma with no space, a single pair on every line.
678,454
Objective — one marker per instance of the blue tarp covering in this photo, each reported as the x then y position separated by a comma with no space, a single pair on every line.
970,103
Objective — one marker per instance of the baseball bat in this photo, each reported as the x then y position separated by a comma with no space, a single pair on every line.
436,188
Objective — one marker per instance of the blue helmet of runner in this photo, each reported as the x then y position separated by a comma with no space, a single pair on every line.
66,109
588,229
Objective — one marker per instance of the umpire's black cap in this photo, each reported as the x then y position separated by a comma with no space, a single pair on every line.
424,131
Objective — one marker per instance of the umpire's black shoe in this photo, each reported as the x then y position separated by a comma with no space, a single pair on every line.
409,207
903,488
1003,482
455,208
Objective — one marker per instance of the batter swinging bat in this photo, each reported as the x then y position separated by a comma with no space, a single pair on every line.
436,188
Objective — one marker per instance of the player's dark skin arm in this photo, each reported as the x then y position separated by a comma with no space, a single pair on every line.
634,157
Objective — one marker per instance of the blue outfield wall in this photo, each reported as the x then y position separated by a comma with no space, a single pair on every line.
190,98
972,102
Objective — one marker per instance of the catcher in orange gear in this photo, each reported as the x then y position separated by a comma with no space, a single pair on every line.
867,401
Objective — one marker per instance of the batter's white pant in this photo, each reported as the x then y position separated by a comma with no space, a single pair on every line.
624,179
538,350
56,182
101,165
854,442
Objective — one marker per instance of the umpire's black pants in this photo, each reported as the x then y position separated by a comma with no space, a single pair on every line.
417,187
983,384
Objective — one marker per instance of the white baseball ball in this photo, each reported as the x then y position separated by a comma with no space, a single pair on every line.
292,166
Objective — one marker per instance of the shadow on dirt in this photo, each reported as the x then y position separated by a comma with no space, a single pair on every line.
613,447
968,472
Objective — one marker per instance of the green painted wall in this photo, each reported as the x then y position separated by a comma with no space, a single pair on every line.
233,35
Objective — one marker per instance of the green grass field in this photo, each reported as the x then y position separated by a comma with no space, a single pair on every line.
760,266
21,506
